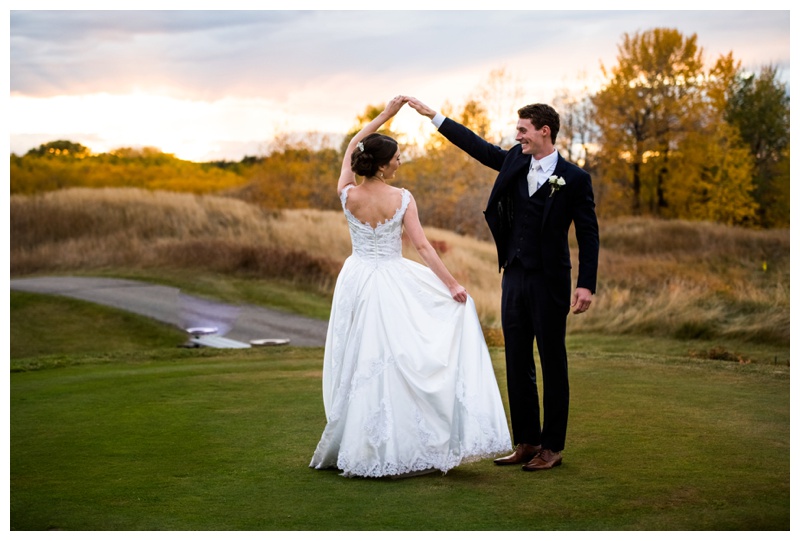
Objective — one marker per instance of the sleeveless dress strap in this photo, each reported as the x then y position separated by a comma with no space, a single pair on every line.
406,199
343,195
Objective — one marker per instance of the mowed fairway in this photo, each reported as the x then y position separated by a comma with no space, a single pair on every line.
167,438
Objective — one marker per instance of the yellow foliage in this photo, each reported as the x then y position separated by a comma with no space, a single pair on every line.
149,169
712,179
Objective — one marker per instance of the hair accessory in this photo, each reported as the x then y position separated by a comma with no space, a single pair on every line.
360,146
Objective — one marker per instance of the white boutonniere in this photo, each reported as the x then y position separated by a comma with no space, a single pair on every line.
555,184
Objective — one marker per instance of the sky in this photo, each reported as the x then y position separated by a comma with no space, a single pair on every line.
217,84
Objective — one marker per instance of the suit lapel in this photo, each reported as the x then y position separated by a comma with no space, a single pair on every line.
506,179
519,172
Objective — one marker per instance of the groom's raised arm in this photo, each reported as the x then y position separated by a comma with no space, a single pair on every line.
488,154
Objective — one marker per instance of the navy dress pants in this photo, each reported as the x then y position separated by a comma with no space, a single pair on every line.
535,305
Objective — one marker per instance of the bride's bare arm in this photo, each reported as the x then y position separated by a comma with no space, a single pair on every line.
428,253
347,176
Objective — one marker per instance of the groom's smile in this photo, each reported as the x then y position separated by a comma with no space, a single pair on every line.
532,140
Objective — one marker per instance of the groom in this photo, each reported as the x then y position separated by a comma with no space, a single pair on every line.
536,197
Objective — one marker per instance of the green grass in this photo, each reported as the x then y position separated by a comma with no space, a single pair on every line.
166,438
44,325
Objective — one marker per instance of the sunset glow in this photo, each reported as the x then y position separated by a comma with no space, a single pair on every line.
209,85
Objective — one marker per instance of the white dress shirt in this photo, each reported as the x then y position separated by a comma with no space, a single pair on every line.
540,171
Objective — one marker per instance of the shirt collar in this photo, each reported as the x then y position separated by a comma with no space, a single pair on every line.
548,163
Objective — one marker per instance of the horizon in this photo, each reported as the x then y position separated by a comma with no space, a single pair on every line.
221,85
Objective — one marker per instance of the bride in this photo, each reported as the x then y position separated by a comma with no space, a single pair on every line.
407,382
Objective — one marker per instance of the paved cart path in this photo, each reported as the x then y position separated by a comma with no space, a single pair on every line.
169,305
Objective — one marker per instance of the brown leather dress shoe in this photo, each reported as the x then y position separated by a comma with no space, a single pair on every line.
545,460
522,454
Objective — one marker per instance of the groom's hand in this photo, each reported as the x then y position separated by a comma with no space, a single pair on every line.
581,300
421,108
395,104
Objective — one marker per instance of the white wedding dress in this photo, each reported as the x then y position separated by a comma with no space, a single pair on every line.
407,380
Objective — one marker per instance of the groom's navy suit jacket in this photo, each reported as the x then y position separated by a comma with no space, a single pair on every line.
571,203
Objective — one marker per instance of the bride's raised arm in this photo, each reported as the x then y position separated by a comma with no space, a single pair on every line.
347,176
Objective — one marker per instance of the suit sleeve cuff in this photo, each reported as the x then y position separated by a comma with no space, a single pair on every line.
437,120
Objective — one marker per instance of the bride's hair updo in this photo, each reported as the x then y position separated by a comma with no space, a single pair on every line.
373,152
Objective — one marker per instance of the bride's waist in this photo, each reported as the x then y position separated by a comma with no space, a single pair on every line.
373,257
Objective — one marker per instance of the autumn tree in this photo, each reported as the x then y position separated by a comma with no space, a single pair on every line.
500,96
60,148
643,111
577,142
759,108
711,177
299,171
475,117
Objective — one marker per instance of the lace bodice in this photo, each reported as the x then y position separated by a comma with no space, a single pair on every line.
385,241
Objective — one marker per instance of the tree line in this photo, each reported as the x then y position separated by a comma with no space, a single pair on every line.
670,137
67,164
665,136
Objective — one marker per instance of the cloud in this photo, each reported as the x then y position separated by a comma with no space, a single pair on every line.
75,52
212,54
258,72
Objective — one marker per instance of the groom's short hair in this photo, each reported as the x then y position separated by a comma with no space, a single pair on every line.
540,115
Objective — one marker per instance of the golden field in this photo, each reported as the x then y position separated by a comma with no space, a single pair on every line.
661,278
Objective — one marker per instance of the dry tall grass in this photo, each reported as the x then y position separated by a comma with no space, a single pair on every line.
692,280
